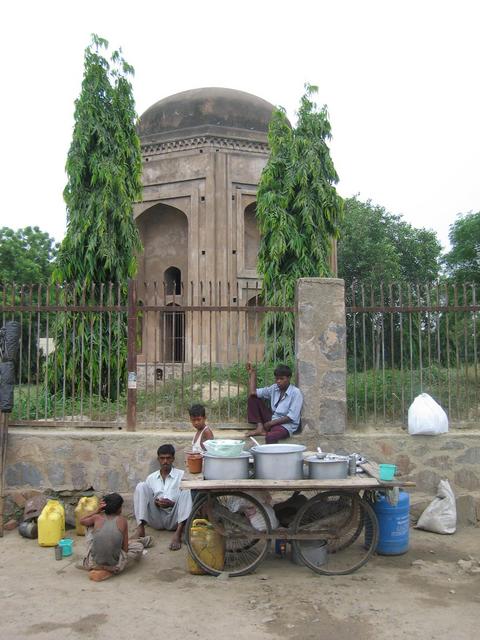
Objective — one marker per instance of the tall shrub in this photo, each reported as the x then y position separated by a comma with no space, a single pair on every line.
298,212
102,240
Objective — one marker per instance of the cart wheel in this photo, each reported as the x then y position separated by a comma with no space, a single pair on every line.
337,519
244,545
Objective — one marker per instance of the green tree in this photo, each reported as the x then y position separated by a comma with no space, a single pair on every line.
463,261
382,257
298,212
26,255
26,262
102,240
378,246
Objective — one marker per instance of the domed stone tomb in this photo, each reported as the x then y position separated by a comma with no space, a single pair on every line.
203,152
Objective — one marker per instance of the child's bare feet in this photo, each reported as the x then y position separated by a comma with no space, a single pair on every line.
99,574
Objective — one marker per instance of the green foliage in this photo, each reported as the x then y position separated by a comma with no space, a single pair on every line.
298,212
104,171
378,246
26,255
385,395
463,261
102,240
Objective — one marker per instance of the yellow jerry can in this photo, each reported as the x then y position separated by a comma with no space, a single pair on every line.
51,524
208,544
85,507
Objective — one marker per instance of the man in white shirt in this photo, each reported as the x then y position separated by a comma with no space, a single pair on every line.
159,501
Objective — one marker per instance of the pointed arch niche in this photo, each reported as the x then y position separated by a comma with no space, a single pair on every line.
164,234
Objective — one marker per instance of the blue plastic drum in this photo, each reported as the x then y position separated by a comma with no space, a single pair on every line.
393,525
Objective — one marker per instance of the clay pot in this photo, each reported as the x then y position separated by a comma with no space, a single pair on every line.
194,462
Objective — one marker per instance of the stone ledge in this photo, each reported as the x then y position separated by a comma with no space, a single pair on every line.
117,460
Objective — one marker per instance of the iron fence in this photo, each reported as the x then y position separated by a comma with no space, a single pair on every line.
403,340
110,356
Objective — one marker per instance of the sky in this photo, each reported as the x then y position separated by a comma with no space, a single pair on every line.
399,78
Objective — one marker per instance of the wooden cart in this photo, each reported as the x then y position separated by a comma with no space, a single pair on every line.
334,529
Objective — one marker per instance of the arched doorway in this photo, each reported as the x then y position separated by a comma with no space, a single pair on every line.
173,334
172,279
251,241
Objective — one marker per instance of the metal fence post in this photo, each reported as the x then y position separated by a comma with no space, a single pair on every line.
132,356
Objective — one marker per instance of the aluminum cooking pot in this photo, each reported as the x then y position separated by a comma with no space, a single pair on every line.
225,468
278,461
321,469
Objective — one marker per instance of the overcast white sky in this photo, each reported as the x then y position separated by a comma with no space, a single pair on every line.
400,78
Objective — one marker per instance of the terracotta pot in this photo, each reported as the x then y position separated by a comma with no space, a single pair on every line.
194,462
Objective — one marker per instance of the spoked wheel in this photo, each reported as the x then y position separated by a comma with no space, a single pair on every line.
239,520
331,524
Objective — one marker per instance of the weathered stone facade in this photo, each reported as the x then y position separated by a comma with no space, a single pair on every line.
203,153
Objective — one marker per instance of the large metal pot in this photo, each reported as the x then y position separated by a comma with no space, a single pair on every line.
278,461
321,469
225,468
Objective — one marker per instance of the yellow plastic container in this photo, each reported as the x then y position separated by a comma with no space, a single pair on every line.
85,507
208,544
51,524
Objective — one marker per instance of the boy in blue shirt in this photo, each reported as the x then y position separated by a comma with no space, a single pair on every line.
282,418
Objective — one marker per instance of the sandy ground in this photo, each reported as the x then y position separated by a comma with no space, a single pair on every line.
424,594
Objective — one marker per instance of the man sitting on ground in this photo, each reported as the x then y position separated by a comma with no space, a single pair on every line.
282,418
159,501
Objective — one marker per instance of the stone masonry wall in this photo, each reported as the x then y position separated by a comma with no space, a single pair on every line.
117,460
320,342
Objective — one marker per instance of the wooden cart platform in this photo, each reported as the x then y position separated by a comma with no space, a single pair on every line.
333,530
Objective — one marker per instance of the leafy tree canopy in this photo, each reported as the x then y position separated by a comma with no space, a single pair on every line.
104,175
378,246
26,255
463,261
102,240
298,208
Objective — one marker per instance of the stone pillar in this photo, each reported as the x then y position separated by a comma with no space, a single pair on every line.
320,351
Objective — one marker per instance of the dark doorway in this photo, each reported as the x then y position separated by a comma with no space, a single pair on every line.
174,336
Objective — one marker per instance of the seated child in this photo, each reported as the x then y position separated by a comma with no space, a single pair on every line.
199,422
108,548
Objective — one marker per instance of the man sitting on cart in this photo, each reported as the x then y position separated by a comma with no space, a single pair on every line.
159,501
281,419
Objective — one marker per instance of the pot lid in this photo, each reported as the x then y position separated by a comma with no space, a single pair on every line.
278,448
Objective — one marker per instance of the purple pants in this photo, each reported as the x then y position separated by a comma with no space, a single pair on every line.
257,411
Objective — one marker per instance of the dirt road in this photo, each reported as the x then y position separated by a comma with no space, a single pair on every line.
425,594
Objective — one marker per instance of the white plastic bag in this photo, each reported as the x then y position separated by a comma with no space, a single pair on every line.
441,514
426,417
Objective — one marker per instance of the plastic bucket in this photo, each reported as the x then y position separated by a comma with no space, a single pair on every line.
314,550
66,545
387,472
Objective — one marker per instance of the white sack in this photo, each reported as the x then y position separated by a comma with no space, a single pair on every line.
441,514
426,417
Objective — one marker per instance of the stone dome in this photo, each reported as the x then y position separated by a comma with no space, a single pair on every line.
205,108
